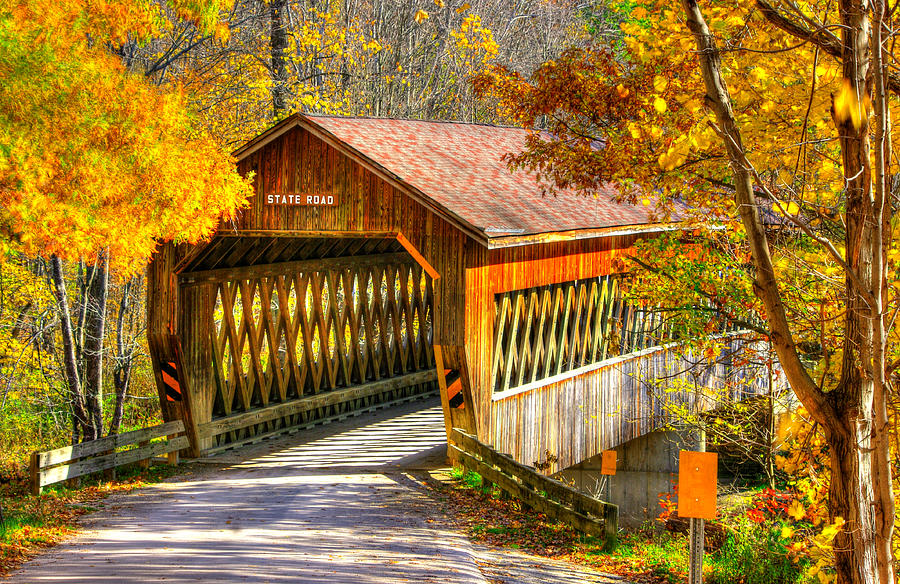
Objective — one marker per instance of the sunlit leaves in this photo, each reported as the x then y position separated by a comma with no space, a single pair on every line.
93,157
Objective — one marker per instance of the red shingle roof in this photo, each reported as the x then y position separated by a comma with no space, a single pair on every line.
459,167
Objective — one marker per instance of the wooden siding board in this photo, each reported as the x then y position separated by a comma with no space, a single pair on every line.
617,409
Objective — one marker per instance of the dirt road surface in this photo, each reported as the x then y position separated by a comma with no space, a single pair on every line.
334,504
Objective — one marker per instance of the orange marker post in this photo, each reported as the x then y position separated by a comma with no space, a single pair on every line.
697,481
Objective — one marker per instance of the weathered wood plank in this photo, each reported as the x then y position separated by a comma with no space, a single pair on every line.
555,489
561,502
269,270
310,403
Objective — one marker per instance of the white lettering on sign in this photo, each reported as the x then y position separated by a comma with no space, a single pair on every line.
301,199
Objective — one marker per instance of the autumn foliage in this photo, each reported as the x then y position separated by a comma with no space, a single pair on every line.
92,156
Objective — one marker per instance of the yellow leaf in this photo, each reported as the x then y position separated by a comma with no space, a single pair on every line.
659,104
622,91
463,8
786,209
421,16
786,532
660,83
832,530
668,160
846,105
796,510
440,3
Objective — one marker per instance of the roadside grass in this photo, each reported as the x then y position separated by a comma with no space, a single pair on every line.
649,555
31,523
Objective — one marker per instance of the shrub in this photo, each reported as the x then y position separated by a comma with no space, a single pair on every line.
754,554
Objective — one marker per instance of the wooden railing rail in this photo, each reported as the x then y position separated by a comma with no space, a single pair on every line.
310,403
54,466
547,495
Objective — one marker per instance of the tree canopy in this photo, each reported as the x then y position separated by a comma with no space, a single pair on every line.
92,156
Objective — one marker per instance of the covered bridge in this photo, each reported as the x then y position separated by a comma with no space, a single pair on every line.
379,259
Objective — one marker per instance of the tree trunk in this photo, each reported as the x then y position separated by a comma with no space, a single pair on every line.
850,497
94,330
859,480
70,363
279,43
861,550
124,359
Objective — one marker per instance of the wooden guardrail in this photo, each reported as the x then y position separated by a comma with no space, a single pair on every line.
309,403
540,492
54,466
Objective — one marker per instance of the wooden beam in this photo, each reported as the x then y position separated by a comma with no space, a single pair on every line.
308,234
503,241
230,423
417,256
271,270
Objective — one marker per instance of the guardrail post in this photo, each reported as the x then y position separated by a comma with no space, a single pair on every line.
173,456
144,463
34,471
527,487
110,473
611,526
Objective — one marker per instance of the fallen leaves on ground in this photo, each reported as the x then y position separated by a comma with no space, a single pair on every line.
490,519
35,523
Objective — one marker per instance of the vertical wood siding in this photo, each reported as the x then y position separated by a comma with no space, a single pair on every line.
578,417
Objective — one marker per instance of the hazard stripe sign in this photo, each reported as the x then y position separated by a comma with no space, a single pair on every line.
454,389
170,381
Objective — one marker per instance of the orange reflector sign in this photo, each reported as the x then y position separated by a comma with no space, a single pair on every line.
454,389
697,481
608,462
170,381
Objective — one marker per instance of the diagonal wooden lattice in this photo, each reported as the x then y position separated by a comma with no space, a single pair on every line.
542,332
336,325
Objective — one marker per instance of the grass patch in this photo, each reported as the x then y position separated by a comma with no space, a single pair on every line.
649,555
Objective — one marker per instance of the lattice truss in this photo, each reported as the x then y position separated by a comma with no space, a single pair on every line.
283,337
544,331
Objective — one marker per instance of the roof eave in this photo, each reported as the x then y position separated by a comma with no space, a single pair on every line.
267,137
504,241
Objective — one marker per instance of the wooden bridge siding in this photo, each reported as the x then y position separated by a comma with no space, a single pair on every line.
197,307
585,414
367,205
495,271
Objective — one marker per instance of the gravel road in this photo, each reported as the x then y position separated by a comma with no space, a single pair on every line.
336,504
